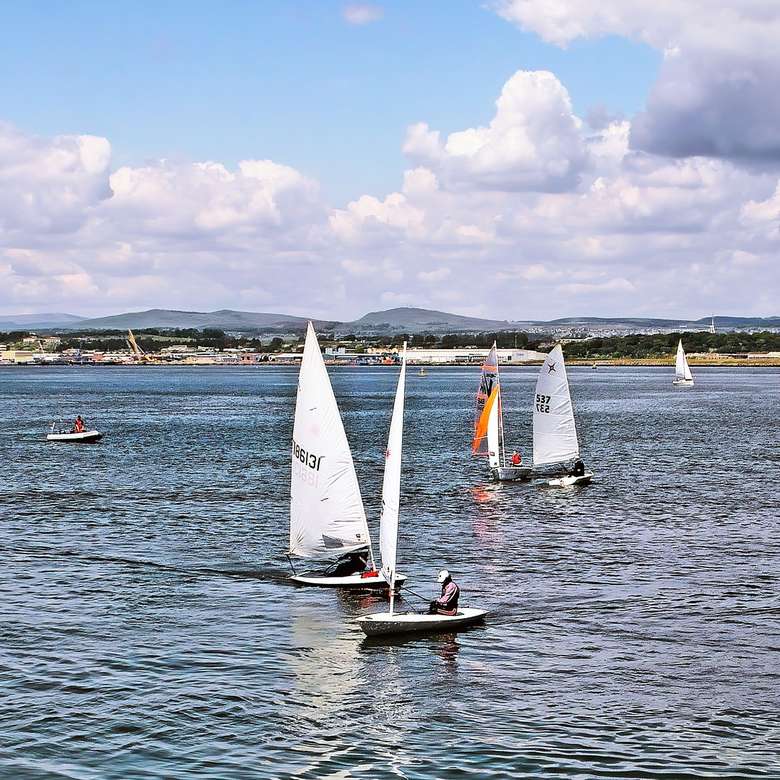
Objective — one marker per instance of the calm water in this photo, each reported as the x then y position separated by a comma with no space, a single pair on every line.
148,630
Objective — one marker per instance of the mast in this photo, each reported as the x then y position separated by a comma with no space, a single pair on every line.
501,442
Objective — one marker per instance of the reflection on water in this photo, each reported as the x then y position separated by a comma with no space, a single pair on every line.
150,630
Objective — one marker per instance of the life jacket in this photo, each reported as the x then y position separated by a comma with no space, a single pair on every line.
79,426
451,602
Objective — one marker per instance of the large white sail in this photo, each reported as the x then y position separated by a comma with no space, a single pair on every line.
327,517
391,485
681,368
487,420
555,433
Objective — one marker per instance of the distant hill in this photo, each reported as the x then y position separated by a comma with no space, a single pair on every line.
39,321
415,320
391,321
224,319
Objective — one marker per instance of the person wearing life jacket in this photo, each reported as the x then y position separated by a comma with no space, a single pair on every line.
516,458
78,426
447,603
354,562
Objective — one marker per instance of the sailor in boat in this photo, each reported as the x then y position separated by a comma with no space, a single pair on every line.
579,468
78,426
447,603
517,459
355,562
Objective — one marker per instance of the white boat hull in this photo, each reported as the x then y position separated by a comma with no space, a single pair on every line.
85,437
511,473
384,623
354,581
683,382
570,480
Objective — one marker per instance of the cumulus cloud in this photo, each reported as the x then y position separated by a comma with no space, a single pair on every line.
362,13
716,92
533,143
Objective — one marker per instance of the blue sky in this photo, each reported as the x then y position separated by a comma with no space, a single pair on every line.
278,156
288,81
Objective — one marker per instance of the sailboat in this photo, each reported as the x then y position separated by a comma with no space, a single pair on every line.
327,517
555,431
489,424
682,371
393,622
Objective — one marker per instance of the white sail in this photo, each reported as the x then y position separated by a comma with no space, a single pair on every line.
493,432
555,433
391,485
681,368
327,517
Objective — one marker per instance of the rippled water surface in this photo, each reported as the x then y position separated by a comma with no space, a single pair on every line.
149,631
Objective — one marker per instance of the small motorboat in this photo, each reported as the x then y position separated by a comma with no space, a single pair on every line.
83,437
383,623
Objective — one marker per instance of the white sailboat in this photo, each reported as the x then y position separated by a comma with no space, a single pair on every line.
327,517
682,372
489,424
393,622
555,430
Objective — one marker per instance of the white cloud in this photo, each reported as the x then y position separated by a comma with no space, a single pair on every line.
362,13
716,92
533,143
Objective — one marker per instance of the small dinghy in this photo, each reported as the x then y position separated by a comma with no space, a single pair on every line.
383,623
682,371
392,622
489,425
556,443
327,517
84,437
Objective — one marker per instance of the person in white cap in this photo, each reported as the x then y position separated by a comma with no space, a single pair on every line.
447,603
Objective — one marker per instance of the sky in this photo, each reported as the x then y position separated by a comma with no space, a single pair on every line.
511,158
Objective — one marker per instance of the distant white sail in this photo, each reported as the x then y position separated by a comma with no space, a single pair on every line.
681,368
327,517
555,432
391,485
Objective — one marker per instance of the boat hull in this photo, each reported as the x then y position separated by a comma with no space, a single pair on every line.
511,473
683,382
384,624
352,581
86,437
570,480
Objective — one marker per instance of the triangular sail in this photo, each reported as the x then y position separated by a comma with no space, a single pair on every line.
555,432
487,419
391,485
327,517
681,368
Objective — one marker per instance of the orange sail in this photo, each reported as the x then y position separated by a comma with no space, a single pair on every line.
487,397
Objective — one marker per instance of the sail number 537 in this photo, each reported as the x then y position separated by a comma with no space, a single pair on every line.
543,403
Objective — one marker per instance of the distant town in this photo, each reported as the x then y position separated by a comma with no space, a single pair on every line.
210,346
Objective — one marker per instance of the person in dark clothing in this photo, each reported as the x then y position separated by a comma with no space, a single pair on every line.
447,603
354,562
579,468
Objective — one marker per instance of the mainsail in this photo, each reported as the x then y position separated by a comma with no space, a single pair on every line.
487,420
391,485
555,433
327,517
681,369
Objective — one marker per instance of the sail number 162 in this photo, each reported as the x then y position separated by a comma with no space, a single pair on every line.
542,403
